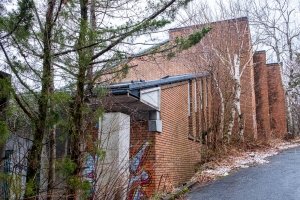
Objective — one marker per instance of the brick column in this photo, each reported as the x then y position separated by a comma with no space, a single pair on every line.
276,101
262,96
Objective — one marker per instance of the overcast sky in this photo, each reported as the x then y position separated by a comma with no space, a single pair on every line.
183,19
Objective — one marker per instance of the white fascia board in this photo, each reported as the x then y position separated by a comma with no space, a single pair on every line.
151,97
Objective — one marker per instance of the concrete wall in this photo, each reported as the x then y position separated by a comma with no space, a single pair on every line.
113,171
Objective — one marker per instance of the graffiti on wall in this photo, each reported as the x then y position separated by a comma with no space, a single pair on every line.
139,177
89,172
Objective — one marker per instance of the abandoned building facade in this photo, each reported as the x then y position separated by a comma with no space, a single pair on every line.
166,138
161,115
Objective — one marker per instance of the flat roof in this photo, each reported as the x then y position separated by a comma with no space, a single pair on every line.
125,96
133,87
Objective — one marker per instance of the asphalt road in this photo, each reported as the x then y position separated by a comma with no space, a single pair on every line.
277,180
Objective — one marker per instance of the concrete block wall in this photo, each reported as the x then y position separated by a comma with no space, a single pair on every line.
112,172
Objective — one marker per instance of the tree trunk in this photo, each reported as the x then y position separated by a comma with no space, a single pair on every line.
230,124
291,127
34,164
237,106
92,40
222,114
52,159
77,142
237,96
34,154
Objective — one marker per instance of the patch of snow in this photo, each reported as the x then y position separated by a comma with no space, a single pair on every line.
219,171
246,159
287,146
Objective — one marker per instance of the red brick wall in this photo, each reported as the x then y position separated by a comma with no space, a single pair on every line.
201,57
173,154
176,154
262,96
139,136
270,98
248,104
172,157
277,101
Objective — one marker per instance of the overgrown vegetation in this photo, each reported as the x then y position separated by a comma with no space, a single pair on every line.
56,52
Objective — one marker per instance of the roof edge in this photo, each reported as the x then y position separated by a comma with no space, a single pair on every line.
158,82
239,19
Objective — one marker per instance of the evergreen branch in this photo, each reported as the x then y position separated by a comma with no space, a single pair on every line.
39,42
135,28
125,35
23,107
65,69
104,71
24,57
38,18
13,30
15,71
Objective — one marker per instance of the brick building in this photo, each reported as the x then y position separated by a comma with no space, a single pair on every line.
227,37
171,105
162,113
167,118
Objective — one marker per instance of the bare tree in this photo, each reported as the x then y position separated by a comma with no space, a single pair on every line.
56,51
227,53
276,28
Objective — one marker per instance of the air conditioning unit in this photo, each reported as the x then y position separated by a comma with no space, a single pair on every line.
155,126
